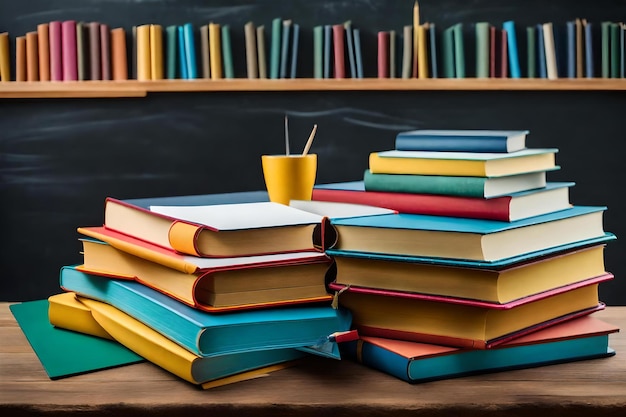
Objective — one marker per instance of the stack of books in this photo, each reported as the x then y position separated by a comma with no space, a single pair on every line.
209,293
485,265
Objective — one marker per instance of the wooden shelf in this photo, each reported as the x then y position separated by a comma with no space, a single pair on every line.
133,88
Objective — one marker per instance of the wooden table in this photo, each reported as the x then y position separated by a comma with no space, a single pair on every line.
317,387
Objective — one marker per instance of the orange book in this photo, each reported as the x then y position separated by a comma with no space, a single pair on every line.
144,60
20,58
156,52
5,58
118,54
422,52
215,51
44,51
32,57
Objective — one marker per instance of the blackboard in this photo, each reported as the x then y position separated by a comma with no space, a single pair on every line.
60,158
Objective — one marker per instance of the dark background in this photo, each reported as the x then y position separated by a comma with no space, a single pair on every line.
60,158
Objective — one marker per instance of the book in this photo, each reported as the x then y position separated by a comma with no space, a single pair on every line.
531,52
82,315
182,54
20,58
95,56
171,53
156,52
589,48
190,51
392,54
383,54
56,58
614,50
477,164
350,48
513,56
68,52
571,48
105,51
327,50
605,51
578,25
207,334
578,339
215,51
318,48
220,230
433,47
459,51
32,57
82,51
5,58
144,60
407,49
502,47
119,54
275,48
339,51
216,285
541,53
133,52
252,63
550,51
496,288
422,52
284,49
205,54
260,46
482,49
357,52
460,325
295,42
227,53
447,47
43,48
461,140
64,353
478,187
466,239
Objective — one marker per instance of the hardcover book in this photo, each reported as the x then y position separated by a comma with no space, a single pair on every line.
205,334
462,140
578,339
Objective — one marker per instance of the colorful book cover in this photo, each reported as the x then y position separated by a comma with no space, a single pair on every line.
284,50
350,44
190,51
482,49
339,51
432,50
327,50
182,54
357,52
461,140
531,52
459,51
215,51
318,48
589,49
541,53
68,51
295,43
105,51
227,53
275,48
156,52
171,52
511,36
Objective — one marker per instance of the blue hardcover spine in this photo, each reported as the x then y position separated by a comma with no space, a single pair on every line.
190,51
357,53
182,54
589,53
294,50
541,53
511,37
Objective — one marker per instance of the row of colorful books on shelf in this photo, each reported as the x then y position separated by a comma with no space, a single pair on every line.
233,288
70,50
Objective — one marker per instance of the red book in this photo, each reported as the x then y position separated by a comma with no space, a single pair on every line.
339,51
68,50
504,56
56,56
105,52
383,54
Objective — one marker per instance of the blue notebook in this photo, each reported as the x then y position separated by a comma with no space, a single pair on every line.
571,49
311,328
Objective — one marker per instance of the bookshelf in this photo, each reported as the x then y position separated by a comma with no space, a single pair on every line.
133,88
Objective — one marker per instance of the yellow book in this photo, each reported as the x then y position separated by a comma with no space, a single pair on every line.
144,61
156,52
215,51
422,52
468,164
84,315
5,58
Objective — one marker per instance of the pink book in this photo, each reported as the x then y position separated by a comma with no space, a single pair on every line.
105,52
383,54
56,57
339,50
68,50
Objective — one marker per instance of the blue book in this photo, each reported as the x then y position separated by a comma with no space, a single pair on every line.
327,49
467,239
589,52
511,37
571,49
284,52
541,53
357,53
294,50
182,54
190,51
351,53
432,38
578,339
310,328
227,52
462,140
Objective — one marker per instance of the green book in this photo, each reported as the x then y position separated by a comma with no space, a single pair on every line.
448,53
171,41
318,46
227,53
482,49
531,49
605,39
275,48
614,50
459,51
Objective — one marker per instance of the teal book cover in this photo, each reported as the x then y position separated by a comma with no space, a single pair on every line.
182,54
227,53
318,47
295,43
327,50
482,49
65,353
350,44
207,334
275,48
190,51
285,50
459,51
171,51
511,37
357,52
449,67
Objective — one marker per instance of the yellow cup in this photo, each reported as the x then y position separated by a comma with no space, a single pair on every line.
289,177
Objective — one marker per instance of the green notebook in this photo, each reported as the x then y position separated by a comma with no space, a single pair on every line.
65,353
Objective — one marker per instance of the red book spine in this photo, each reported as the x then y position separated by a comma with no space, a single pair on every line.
504,56
68,39
339,51
56,58
383,54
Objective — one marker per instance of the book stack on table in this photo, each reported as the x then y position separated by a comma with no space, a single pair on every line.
453,284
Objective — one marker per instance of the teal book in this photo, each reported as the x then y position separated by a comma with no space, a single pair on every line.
531,52
350,49
275,48
182,54
311,328
452,140
467,239
294,50
605,36
327,50
171,52
589,49
357,53
432,50
511,37
459,51
190,51
227,52
318,47
284,50
614,50
482,49
65,353
449,67
578,339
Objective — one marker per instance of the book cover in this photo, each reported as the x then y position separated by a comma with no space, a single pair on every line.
459,51
614,50
5,58
503,67
295,43
515,206
477,164
105,51
227,53
422,52
580,59
171,52
339,51
531,52
589,49
215,285
119,55
541,53
284,49
482,49
71,312
182,54
461,325
467,239
448,49
252,63
383,54
432,50
144,60
513,53
95,56
392,53
275,48
82,50
43,34
210,335
156,52
190,51
204,51
32,57
133,52
351,50
579,339
64,353
407,51
56,58
215,51
20,58
571,48
262,56
68,51
318,54
358,57
550,51
328,43
461,140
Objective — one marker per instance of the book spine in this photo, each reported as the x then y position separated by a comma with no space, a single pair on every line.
43,34
56,59
275,48
513,53
548,39
378,358
541,53
205,54
327,50
383,54
435,143
5,58
32,57
105,51
156,52
20,58
119,54
144,72
262,56
182,55
94,51
504,55
318,47
133,52
252,70
68,38
294,50
531,49
422,53
339,51
571,49
171,52
579,48
215,51
459,51
284,50
614,51
448,53
432,38
426,184
227,53
190,51
82,52
605,51
589,52
493,51
357,53
482,49
407,49
350,44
